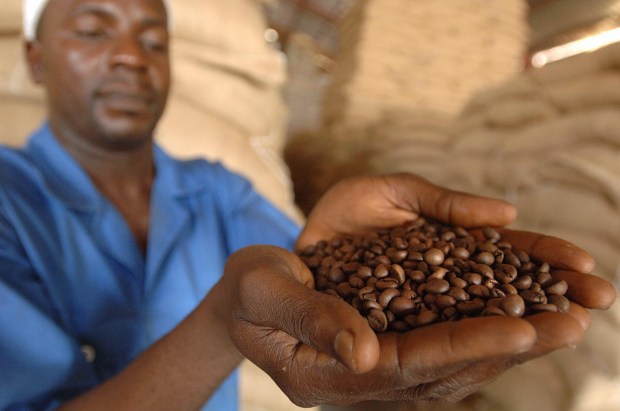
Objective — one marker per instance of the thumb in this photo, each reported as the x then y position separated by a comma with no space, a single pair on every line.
277,294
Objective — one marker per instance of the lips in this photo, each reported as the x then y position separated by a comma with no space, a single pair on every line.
125,97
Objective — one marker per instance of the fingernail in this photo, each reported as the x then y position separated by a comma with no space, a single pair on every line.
343,346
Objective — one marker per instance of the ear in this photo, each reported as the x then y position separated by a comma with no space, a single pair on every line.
34,60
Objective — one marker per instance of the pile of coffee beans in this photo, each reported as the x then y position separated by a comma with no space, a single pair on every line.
426,272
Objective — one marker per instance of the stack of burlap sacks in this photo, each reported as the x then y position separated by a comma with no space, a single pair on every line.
404,65
226,104
548,140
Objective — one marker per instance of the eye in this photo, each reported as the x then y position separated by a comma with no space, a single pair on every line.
155,41
90,33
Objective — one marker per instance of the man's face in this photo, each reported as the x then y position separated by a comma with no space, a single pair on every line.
105,66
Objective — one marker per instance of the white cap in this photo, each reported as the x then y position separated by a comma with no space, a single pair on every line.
32,14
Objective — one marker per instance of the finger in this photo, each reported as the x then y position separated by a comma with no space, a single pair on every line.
458,385
429,350
588,290
580,314
279,300
430,354
555,331
557,252
449,206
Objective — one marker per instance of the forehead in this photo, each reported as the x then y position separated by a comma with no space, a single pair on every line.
59,10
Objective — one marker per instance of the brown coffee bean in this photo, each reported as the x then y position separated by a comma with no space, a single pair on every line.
367,293
356,282
386,283
344,290
483,269
444,301
491,234
458,282
544,279
476,290
438,273
512,259
512,305
399,256
533,296
470,307
485,258
410,294
506,273
460,252
472,278
559,301
336,275
543,308
493,311
434,257
557,288
416,276
458,294
377,320
426,317
402,306
522,283
381,271
437,286
369,305
397,272
386,296
508,288
399,326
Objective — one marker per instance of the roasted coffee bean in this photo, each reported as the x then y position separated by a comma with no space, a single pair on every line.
490,311
402,306
557,288
381,271
336,275
544,278
398,272
543,308
424,272
491,234
472,278
426,317
434,256
522,283
559,301
512,305
470,307
386,296
386,283
485,258
437,286
370,305
377,320
458,294
476,290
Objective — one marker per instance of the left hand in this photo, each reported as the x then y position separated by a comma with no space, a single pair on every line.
362,204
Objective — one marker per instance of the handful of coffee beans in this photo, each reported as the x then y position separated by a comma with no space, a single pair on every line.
426,272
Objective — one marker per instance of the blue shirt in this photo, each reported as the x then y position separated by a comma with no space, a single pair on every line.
74,280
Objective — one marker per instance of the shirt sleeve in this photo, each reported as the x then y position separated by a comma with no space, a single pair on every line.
252,219
40,363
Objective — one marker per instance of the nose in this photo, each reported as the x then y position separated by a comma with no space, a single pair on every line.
127,51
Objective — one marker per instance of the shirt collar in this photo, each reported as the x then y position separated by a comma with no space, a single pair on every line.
67,179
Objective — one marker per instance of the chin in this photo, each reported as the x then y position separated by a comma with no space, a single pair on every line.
126,135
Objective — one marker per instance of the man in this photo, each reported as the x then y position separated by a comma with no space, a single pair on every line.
132,281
